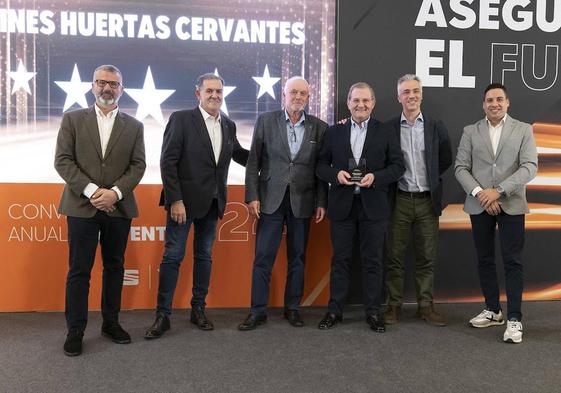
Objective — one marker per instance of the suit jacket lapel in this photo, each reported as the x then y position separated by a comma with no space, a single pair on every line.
397,126
200,126
505,134
429,131
483,130
118,127
282,129
93,130
225,138
370,131
346,135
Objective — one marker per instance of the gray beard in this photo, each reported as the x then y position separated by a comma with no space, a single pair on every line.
107,102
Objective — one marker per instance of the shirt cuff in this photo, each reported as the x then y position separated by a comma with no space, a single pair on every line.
89,190
119,193
476,190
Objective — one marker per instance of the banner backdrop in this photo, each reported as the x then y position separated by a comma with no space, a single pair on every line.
35,254
458,48
48,52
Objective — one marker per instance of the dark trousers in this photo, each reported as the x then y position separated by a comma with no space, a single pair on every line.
83,236
174,252
511,235
413,214
371,234
267,242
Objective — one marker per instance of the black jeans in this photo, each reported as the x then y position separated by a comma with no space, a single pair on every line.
511,235
83,236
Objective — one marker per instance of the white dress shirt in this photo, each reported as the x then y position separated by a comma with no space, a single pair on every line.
214,132
495,135
105,126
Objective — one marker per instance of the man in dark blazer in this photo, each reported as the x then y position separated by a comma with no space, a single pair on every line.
281,188
496,158
196,153
416,200
358,208
100,156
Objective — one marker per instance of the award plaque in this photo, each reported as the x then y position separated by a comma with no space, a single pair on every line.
357,169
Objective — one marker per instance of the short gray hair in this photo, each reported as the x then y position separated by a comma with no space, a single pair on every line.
361,85
295,78
409,77
109,68
205,77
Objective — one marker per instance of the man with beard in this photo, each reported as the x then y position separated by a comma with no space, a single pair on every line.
198,146
100,156
282,189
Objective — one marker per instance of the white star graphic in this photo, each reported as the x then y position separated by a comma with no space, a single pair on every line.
226,90
266,83
149,99
21,78
75,90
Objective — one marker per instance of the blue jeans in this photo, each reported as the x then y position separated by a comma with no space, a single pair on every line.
174,252
267,243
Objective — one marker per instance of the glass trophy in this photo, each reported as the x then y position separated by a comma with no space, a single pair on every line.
357,169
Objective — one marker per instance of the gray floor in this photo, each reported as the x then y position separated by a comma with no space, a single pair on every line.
409,357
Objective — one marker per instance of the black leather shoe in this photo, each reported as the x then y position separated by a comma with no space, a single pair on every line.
198,317
252,321
329,321
294,318
115,333
376,322
158,328
73,343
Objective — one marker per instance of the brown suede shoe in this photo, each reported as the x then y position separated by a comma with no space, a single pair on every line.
429,314
392,314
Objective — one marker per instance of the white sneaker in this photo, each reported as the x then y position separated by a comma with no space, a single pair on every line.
487,318
513,332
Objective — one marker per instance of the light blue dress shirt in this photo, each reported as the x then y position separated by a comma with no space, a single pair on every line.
358,136
295,133
415,178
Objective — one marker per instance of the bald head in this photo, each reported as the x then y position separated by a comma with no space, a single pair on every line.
295,94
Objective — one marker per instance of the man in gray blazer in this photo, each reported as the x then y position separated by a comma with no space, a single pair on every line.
281,188
100,156
496,158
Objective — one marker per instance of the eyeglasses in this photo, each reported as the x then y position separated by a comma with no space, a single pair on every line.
103,83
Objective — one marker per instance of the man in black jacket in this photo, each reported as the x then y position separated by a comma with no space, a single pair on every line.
196,153
416,200
358,206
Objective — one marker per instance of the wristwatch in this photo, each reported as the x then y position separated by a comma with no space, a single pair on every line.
501,191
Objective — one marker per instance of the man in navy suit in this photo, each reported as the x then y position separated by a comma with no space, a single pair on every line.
358,208
416,200
196,153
